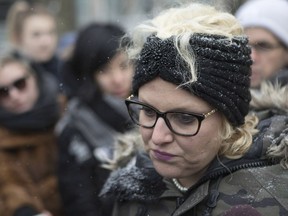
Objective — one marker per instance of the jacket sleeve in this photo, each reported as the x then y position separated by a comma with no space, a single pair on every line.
80,177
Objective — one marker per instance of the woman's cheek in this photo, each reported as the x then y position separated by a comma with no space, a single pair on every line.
146,135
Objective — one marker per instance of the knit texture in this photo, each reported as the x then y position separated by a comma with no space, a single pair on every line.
223,71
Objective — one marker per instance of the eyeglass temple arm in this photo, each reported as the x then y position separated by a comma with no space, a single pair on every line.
210,113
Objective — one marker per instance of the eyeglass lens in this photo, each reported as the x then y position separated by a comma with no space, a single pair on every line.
264,46
19,84
178,122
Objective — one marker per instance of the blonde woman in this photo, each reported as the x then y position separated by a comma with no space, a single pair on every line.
190,100
32,32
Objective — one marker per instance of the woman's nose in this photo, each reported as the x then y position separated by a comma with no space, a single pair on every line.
161,133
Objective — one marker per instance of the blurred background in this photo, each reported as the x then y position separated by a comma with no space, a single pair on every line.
73,14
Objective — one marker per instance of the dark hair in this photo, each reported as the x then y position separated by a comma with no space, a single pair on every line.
95,45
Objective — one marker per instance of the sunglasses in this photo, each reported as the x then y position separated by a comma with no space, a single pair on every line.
19,84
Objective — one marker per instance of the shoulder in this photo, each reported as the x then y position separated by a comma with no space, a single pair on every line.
67,122
70,137
138,181
274,180
264,187
264,177
14,139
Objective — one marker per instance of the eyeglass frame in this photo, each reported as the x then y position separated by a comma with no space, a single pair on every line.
199,116
269,46
8,88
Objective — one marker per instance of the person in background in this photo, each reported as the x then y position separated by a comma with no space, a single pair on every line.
265,24
96,80
267,31
32,31
191,97
29,110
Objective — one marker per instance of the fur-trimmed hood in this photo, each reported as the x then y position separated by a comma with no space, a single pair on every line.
270,98
137,181
270,105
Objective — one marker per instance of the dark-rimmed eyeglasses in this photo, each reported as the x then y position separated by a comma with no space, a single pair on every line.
180,123
19,84
263,46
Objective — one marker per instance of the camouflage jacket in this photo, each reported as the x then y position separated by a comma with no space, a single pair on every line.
256,184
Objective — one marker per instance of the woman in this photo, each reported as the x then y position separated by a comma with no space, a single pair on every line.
29,110
97,78
32,31
191,100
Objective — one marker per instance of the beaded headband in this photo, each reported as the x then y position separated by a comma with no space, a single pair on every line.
222,65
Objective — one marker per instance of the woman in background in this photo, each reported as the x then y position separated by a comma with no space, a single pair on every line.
29,110
96,79
32,31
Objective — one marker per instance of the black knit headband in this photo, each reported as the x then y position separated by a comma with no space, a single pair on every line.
223,70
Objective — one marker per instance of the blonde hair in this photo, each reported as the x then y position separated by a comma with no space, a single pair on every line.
182,23
18,14
237,141
4,60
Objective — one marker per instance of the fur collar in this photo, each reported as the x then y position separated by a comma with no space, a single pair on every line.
138,181
270,97
270,105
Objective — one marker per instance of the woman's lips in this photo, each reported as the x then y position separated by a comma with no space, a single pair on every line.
162,155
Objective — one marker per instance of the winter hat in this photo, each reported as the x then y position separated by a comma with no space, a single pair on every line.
223,70
269,14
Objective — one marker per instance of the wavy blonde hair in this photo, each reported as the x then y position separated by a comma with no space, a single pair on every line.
237,141
181,23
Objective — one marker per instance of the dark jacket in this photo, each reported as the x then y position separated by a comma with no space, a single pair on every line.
28,155
85,137
255,184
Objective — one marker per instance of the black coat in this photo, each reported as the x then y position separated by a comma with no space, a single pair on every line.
85,134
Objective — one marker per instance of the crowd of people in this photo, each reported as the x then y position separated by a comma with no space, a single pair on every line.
186,114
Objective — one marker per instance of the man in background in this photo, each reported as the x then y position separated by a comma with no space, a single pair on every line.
265,23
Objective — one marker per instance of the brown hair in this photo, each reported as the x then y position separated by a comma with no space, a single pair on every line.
18,14
4,60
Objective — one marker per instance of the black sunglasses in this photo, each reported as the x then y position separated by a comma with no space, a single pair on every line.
20,84
180,123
